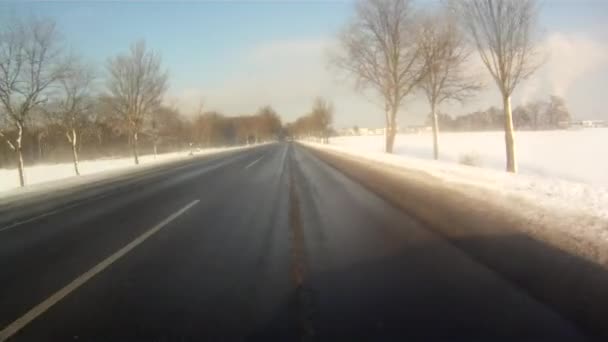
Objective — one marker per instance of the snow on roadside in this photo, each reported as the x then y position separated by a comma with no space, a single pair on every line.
39,177
576,209
564,168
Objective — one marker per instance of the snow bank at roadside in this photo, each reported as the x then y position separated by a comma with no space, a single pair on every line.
40,176
579,211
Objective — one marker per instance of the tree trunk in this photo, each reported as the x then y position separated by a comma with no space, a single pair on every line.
19,151
390,131
509,138
435,132
79,146
40,150
134,147
75,152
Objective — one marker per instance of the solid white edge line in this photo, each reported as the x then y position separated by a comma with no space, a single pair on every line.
79,203
253,163
52,212
39,309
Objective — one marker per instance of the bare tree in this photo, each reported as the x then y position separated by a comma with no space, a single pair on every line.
503,31
40,128
267,123
200,111
157,128
322,114
379,50
136,85
205,127
165,125
558,115
30,62
72,111
445,53
314,124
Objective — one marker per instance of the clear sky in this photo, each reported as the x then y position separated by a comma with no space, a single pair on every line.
238,56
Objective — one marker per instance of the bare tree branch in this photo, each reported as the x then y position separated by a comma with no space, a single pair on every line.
8,141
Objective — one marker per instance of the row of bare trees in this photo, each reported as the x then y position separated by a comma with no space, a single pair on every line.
214,129
101,133
316,124
393,49
535,115
50,98
37,75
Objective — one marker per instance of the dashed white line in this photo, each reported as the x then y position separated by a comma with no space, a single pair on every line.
39,309
254,162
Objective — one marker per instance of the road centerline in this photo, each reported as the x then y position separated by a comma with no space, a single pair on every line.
42,307
254,162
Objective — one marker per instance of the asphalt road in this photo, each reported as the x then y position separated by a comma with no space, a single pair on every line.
270,244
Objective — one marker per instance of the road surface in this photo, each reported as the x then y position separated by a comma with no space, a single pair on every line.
268,243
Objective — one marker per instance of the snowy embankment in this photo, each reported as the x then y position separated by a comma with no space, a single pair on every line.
563,169
576,213
46,177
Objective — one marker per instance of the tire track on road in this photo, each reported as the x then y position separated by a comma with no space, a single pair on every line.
303,305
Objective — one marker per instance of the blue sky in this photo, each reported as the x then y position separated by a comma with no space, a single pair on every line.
238,55
198,40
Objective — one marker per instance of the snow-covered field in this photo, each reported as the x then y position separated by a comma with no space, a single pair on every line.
44,173
575,155
568,169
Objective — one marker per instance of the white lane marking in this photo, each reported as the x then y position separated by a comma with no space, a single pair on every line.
53,212
39,309
37,217
253,163
96,198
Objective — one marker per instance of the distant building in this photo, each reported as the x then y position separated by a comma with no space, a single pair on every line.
416,129
381,131
347,132
371,131
588,124
364,131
